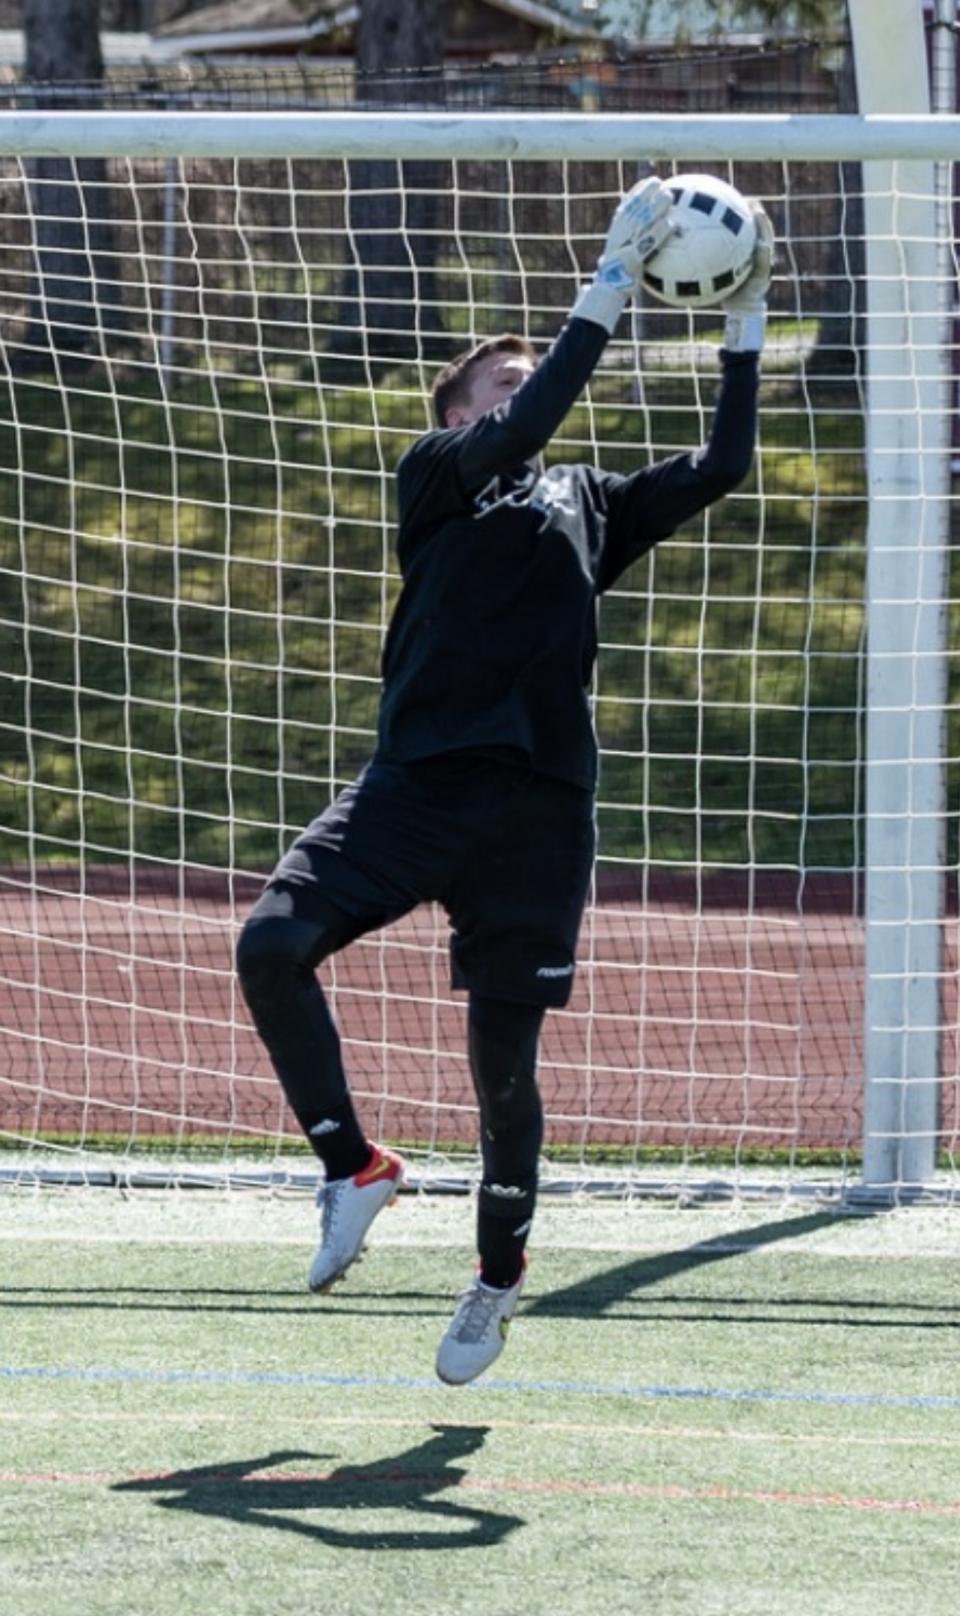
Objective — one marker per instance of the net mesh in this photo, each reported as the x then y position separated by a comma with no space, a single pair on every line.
211,370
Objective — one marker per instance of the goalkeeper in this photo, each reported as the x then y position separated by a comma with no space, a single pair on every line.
480,792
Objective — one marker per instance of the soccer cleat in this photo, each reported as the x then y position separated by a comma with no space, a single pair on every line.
477,1333
348,1206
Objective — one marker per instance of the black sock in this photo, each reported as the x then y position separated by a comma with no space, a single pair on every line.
338,1140
503,1225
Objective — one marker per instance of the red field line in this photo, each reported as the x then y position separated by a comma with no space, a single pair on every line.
444,1482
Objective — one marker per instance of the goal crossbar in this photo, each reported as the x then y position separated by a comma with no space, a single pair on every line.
522,136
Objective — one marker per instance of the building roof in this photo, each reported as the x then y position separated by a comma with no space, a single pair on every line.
119,49
237,26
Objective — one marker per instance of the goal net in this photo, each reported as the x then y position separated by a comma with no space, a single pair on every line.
220,332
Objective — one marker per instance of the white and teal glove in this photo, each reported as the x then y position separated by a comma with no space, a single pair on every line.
638,229
746,308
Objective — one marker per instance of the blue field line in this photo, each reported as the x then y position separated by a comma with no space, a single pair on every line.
566,1388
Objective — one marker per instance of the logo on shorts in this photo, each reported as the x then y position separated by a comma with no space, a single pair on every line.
555,970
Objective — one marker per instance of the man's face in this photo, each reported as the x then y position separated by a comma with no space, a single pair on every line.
492,381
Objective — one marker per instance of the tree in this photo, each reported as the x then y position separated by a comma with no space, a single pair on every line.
69,198
396,35
62,40
391,204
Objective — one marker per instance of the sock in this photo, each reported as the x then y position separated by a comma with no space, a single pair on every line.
502,1236
338,1140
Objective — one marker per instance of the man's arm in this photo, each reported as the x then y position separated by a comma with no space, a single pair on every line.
467,458
653,503
445,469
523,426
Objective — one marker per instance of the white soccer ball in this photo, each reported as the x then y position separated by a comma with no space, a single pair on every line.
710,253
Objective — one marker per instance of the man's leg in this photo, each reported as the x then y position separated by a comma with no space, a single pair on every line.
383,846
352,871
503,1042
277,958
515,910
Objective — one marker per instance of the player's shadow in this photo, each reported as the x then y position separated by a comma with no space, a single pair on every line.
591,1297
314,1502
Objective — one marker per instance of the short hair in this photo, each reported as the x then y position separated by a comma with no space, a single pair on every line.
454,382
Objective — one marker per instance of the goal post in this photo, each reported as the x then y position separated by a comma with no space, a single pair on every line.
196,571
908,361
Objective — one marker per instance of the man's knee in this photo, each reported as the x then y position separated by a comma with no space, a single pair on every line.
272,953
278,953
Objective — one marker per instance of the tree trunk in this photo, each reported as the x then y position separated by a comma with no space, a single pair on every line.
69,198
841,334
392,205
397,34
62,40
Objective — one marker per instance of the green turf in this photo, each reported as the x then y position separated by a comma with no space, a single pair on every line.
722,1411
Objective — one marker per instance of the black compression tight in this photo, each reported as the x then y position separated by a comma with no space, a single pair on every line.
277,960
503,1041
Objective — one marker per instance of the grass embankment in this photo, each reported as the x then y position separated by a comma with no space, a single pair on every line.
195,585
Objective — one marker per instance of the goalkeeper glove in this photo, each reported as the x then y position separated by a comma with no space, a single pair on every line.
638,229
746,308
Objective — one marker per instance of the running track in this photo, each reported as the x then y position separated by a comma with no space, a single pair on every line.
726,1014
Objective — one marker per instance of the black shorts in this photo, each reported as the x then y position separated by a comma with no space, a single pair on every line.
507,853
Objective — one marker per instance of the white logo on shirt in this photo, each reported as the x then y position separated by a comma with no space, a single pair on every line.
555,492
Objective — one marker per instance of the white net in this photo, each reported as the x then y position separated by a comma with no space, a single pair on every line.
212,366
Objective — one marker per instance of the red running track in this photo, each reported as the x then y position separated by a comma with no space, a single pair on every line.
723,1014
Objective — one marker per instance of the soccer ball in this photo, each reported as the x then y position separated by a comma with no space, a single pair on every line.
710,253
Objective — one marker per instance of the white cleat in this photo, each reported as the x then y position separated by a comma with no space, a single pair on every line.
477,1333
348,1206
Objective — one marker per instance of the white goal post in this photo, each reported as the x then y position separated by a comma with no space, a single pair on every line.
715,1026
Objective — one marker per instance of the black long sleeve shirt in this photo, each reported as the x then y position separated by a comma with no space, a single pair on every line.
494,637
